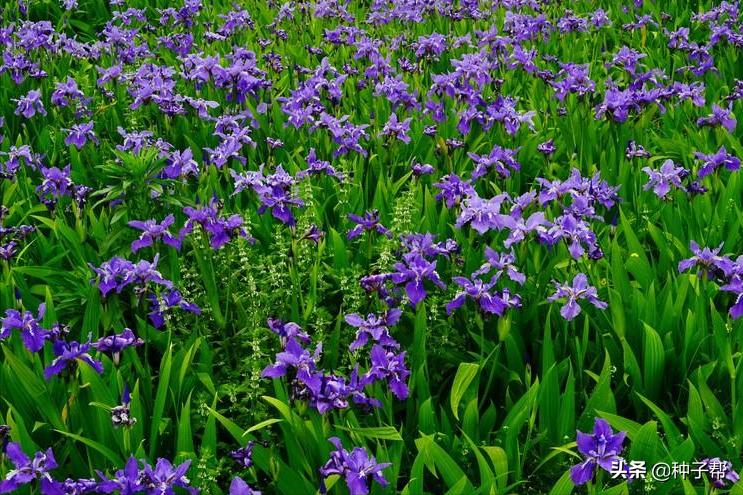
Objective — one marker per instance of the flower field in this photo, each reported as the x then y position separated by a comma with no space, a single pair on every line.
487,247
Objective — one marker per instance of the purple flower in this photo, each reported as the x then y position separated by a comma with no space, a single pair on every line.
547,147
79,134
735,285
600,448
239,487
111,274
369,222
412,272
66,92
712,162
244,455
425,245
387,365
116,343
719,471
27,469
121,415
709,260
69,354
484,214
720,116
314,234
219,229
397,129
288,330
164,477
521,227
274,192
421,169
180,164
502,263
32,333
478,291
30,105
296,359
357,468
662,179
635,150
375,327
153,231
165,301
318,167
501,159
56,182
127,481
144,272
575,292
453,190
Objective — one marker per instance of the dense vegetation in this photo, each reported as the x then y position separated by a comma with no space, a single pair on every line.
462,247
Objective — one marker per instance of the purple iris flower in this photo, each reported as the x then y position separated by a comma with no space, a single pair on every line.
121,415
27,469
375,327
635,150
318,167
600,448
484,214
69,354
111,274
573,293
180,164
32,333
720,116
390,366
712,162
453,190
66,92
153,231
244,455
288,330
79,134
662,179
480,292
313,234
521,227
412,272
144,272
419,169
274,192
239,487
370,221
164,477
116,343
735,286
709,260
357,468
219,229
547,147
424,244
165,301
397,128
502,263
296,359
719,472
30,105
56,182
127,481
503,160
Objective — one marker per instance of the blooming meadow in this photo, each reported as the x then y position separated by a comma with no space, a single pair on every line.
445,247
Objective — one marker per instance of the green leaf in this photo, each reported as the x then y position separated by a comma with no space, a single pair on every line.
462,380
